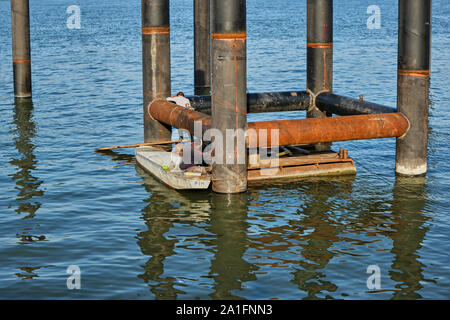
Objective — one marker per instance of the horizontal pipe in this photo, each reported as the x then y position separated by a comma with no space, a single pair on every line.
331,129
176,116
261,102
296,131
298,100
345,106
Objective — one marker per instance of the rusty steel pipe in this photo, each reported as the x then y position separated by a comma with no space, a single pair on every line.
229,91
20,28
155,63
172,114
296,131
331,129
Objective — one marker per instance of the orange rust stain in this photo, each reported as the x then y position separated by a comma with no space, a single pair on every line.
21,60
325,75
416,73
236,108
319,44
228,36
155,30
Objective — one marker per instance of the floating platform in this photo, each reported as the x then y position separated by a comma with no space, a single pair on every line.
302,162
158,163
295,162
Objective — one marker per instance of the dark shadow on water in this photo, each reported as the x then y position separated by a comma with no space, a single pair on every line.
122,158
27,185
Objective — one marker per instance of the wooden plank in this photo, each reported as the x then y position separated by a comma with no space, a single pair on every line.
327,169
330,157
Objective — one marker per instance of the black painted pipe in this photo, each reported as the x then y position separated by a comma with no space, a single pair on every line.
261,102
414,37
298,100
202,39
345,106
319,52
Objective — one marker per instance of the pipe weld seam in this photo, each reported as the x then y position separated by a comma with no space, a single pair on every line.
409,126
148,110
312,99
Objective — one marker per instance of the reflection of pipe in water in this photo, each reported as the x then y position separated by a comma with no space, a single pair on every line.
316,252
228,267
164,207
410,199
26,184
153,243
315,230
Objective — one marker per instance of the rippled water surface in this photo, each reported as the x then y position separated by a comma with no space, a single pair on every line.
62,204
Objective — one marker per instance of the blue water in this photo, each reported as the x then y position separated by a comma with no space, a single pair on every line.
133,238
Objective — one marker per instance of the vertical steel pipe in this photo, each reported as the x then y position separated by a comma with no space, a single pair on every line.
414,42
319,53
202,40
20,27
155,63
228,92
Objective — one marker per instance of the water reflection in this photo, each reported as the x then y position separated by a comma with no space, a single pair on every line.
28,273
228,223
164,207
26,184
323,232
153,241
225,218
331,226
409,202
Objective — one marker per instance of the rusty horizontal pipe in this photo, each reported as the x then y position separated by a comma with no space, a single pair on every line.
295,131
331,129
172,114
